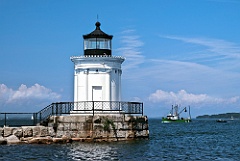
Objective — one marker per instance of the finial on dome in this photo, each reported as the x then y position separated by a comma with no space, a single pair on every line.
98,24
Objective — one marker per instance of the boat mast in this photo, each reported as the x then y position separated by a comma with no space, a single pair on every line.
189,112
176,111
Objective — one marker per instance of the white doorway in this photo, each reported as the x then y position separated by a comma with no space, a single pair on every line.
96,93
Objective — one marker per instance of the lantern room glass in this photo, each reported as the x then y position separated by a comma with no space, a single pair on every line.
97,43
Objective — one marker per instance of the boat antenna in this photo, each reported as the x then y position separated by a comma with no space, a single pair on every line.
189,112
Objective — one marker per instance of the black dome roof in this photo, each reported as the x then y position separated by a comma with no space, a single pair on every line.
97,33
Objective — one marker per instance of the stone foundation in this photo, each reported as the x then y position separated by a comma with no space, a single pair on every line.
64,129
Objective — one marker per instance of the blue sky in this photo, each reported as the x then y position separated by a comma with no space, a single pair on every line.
177,52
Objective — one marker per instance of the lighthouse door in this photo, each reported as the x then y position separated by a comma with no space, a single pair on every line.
97,93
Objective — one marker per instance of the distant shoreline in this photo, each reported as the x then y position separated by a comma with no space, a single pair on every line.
222,116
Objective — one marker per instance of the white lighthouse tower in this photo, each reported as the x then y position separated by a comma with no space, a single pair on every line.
97,74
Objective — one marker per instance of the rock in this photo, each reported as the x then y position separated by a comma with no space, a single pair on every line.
7,131
36,131
17,132
66,139
12,139
41,140
77,139
40,131
2,141
51,131
27,131
1,131
43,131
25,140
58,140
130,134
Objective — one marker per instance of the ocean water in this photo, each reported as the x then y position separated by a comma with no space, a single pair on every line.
204,140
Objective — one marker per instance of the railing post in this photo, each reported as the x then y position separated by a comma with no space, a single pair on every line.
40,117
52,109
59,108
93,107
68,109
5,119
119,106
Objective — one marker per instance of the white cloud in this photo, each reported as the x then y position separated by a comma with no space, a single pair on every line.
24,96
207,66
183,97
131,49
219,46
217,53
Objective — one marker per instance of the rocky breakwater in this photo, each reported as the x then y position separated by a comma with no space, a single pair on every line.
29,135
65,129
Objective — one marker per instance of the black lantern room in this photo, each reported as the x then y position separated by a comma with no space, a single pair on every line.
97,43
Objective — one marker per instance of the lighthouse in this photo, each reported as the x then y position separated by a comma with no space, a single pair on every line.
97,112
97,73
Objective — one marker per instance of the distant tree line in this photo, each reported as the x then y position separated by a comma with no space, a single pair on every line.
224,115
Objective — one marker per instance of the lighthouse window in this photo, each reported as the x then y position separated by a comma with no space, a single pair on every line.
115,71
97,43
103,44
90,44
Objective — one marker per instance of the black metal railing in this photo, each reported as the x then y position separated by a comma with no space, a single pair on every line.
63,108
17,119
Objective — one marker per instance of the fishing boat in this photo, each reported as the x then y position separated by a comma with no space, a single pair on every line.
174,115
221,121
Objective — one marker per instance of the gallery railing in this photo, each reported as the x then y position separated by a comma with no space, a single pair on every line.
17,119
64,108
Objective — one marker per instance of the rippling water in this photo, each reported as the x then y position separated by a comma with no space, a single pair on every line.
199,140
